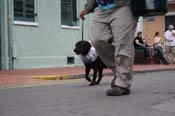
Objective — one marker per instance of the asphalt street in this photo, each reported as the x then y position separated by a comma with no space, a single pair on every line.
152,94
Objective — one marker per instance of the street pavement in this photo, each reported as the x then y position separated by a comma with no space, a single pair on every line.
152,94
31,77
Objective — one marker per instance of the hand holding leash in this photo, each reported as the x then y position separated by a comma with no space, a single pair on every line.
83,13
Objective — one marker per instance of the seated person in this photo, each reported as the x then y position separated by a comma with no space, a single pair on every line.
139,44
159,48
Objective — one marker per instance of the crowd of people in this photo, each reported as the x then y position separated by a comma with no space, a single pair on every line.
165,52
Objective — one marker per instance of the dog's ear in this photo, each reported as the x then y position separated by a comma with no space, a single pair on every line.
86,47
86,43
77,43
78,47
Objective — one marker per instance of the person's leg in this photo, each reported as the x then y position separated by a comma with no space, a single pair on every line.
168,54
147,54
102,37
147,51
173,53
123,28
162,57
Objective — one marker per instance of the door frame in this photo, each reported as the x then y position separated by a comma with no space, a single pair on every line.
168,20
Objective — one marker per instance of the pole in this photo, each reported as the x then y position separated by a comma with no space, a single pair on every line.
82,30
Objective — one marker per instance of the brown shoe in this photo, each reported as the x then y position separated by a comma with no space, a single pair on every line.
118,91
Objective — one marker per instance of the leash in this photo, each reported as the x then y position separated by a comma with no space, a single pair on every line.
82,30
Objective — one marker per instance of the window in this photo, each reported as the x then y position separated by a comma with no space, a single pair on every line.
24,10
69,12
70,60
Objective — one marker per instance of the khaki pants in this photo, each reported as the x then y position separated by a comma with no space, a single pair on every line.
116,26
170,52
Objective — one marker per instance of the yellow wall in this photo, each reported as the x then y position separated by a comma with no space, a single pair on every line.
171,8
149,28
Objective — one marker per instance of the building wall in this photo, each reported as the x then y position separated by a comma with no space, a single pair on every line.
47,43
149,28
171,7
40,45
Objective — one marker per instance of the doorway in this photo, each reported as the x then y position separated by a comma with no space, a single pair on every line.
169,20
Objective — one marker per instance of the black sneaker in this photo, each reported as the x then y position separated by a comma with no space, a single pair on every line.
118,91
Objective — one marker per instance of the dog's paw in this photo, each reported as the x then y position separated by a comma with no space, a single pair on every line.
92,84
97,83
88,79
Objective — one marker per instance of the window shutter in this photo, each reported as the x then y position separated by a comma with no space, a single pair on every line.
74,12
69,12
30,11
18,8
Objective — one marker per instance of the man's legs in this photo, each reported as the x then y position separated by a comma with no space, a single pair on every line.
102,37
118,25
123,28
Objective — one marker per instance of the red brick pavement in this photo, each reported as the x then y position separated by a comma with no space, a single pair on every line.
24,76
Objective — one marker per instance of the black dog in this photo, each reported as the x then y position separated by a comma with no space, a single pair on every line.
90,60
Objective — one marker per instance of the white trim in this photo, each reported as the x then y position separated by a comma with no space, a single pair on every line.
170,14
26,23
70,27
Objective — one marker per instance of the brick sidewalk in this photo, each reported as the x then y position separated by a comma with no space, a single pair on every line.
25,76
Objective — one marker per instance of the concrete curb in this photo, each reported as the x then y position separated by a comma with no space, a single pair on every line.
135,72
154,70
66,77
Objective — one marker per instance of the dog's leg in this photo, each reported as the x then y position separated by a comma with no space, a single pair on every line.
94,77
87,70
100,75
